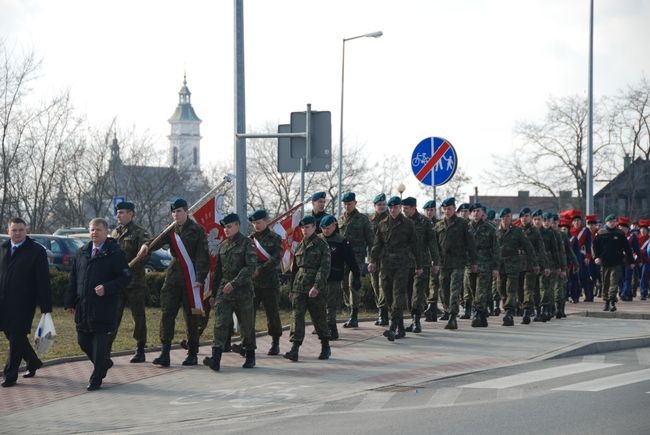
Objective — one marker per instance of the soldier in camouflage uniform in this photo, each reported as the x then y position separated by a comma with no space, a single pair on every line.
379,203
487,249
265,276
431,313
530,275
512,242
555,252
494,300
356,228
560,277
428,248
318,201
456,246
236,263
463,211
396,247
173,294
572,262
130,237
311,268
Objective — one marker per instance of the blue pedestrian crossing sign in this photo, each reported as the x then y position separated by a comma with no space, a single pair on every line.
434,161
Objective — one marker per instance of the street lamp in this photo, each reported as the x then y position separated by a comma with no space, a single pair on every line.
401,188
367,35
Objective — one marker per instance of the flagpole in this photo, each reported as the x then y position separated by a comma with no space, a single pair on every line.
288,212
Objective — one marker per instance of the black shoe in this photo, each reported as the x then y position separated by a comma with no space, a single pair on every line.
525,320
480,319
613,308
352,322
508,320
94,385
389,334
445,316
293,353
163,360
325,351
417,327
275,347
139,356
191,359
538,315
410,327
497,310
237,348
31,370
606,307
452,324
250,360
214,362
468,311
383,316
334,332
8,383
109,365
401,333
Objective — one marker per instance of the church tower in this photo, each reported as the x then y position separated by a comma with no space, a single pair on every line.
185,138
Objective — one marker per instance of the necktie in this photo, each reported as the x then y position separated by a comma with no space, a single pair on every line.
13,250
95,251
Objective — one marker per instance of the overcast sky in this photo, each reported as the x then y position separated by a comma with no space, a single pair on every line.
466,70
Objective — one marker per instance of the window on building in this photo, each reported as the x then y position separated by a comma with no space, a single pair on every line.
196,156
175,156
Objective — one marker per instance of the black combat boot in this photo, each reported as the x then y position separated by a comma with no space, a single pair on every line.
546,313
250,359
214,362
606,307
452,324
401,332
275,346
163,360
431,313
334,332
325,350
138,357
192,352
468,311
390,332
352,322
445,316
238,348
293,353
383,316
508,319
480,319
525,317
558,311
417,326
484,321
538,315
613,308
411,326
563,305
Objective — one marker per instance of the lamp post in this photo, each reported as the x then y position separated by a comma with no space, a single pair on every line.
401,188
366,35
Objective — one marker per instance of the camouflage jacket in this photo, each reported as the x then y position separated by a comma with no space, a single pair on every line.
426,239
375,219
395,244
357,229
539,259
551,247
487,247
236,261
571,258
311,265
131,237
512,243
559,240
318,217
455,243
267,271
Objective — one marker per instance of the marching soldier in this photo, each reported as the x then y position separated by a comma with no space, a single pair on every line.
356,228
236,263
268,246
380,213
431,313
311,268
530,275
396,247
130,237
545,303
559,279
463,211
456,246
318,201
594,269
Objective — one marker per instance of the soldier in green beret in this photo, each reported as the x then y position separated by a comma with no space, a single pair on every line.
356,228
555,254
379,204
318,202
130,237
529,277
463,211
268,246
311,268
431,312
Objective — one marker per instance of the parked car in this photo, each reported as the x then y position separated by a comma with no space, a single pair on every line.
159,261
63,249
64,231
50,255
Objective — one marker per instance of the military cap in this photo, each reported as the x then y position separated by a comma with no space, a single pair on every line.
379,198
394,200
463,206
429,204
547,215
317,195
326,220
449,201
491,214
125,205
556,217
229,218
644,223
178,203
504,211
258,214
525,210
592,218
475,206
410,201
349,197
537,212
623,221
307,220
611,217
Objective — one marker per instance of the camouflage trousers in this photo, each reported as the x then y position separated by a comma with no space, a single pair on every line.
529,281
135,299
173,297
559,288
417,291
333,298
317,307
380,300
507,285
242,307
434,289
545,288
611,278
479,286
394,282
269,298
451,287
351,296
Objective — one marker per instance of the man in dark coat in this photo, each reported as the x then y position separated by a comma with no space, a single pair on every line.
24,283
99,273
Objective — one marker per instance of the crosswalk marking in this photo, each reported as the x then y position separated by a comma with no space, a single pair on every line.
374,400
444,397
510,394
593,358
605,383
643,356
539,375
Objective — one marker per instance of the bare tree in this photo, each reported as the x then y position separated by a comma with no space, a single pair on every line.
630,120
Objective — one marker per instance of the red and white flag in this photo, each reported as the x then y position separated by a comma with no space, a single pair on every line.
209,216
262,253
288,229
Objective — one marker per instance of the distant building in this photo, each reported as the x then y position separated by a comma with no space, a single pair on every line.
564,201
628,194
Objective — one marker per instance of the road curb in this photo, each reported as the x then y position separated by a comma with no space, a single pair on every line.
610,315
595,347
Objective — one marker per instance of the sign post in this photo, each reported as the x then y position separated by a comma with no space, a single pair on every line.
434,162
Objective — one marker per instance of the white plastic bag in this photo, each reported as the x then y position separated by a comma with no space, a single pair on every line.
45,333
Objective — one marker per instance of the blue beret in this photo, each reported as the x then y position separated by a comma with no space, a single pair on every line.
491,214
524,210
429,204
547,215
463,206
125,205
309,219
349,196
258,214
178,203
410,201
504,211
229,218
394,200
326,220
317,195
537,212
379,198
449,201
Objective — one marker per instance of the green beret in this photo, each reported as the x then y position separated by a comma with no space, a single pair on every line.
394,200
524,210
429,204
229,218
349,197
410,201
463,206
326,220
491,214
504,211
258,214
125,205
611,217
556,217
475,206
317,195
537,212
449,201
178,203
547,215
307,220
379,198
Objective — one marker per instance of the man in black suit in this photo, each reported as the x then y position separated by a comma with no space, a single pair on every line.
24,283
